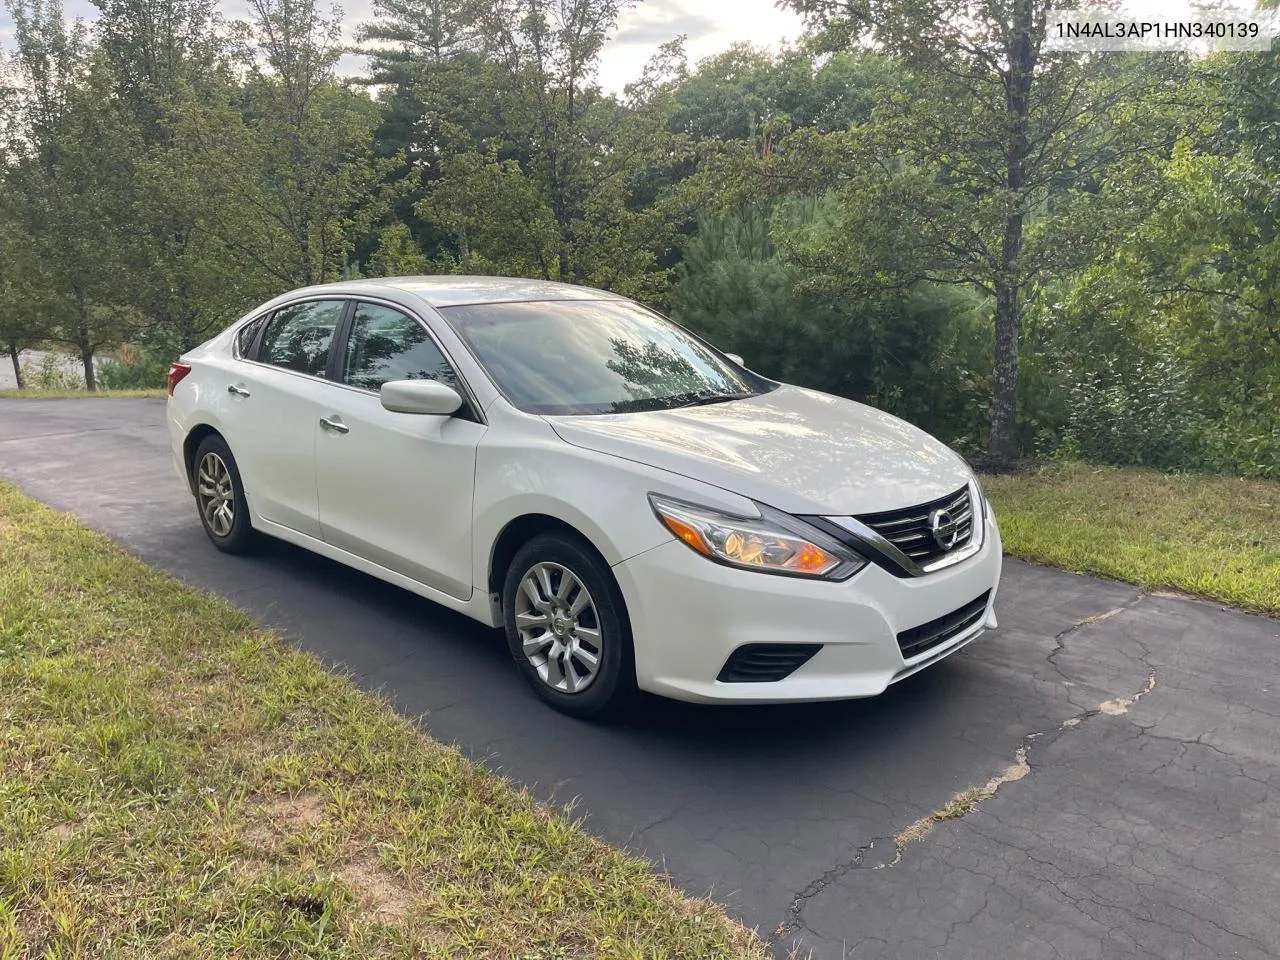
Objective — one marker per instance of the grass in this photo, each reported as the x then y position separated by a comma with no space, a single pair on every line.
77,394
1214,537
175,782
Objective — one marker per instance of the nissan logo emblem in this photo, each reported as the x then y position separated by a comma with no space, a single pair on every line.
944,529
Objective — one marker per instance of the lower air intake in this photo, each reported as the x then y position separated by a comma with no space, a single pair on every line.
917,640
766,662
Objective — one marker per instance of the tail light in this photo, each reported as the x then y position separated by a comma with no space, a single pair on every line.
176,372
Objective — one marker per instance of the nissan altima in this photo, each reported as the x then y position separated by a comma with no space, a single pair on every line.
635,508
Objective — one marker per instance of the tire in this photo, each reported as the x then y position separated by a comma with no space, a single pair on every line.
558,664
213,461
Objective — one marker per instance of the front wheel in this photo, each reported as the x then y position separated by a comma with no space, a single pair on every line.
567,628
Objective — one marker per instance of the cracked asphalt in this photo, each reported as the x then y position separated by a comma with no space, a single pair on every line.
1119,749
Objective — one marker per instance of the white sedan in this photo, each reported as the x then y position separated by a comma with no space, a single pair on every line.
636,508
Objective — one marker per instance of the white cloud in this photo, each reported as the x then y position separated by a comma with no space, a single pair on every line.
710,26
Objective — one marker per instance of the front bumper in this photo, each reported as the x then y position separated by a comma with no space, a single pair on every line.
689,614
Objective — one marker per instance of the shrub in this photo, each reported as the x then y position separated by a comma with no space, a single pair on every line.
52,371
134,368
1143,416
920,354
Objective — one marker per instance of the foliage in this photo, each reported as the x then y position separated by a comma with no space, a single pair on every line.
734,94
916,356
1145,418
51,373
61,184
134,368
1181,324
982,155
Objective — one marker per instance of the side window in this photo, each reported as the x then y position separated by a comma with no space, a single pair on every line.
247,334
298,337
386,344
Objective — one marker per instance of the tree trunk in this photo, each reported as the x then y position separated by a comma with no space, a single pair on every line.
464,248
86,357
17,365
1003,442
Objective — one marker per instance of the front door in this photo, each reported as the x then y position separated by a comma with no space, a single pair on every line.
396,488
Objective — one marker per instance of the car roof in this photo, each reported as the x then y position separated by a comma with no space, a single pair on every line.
453,291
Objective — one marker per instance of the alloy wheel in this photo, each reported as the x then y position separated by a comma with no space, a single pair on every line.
216,495
559,627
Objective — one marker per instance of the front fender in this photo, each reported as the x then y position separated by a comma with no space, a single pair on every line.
605,498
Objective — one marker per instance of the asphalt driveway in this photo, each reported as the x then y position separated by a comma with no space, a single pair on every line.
1133,743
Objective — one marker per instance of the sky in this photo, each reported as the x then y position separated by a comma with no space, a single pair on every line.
709,26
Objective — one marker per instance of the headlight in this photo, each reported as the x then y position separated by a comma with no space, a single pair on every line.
774,543
985,507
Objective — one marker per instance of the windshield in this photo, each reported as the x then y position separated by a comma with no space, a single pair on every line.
595,356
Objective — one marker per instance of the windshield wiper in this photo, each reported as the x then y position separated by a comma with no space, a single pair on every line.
704,399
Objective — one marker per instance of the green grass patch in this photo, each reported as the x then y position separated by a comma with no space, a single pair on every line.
78,394
1214,537
175,782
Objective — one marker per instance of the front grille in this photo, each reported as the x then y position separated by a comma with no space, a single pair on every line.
765,662
911,529
917,640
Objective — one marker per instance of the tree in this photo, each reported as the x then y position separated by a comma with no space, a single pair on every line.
157,48
427,56
1193,291
732,94
547,53
182,279
63,190
284,175
518,161
915,355
495,214
18,330
986,159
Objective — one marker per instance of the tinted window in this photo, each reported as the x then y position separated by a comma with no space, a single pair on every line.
298,337
386,344
247,334
595,356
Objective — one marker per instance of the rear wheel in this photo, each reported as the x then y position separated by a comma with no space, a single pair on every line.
220,496
567,628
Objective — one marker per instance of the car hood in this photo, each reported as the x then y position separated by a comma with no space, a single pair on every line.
797,450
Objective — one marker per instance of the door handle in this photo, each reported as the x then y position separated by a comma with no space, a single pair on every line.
237,391
335,424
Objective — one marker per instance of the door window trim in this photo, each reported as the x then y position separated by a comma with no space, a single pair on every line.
256,350
470,409
252,353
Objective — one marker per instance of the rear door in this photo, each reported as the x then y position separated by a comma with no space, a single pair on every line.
271,416
396,488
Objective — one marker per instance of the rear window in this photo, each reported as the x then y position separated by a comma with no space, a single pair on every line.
247,335
299,336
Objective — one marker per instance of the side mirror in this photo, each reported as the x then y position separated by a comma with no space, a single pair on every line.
420,396
736,359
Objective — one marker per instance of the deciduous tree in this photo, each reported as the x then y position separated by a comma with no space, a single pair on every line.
998,143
